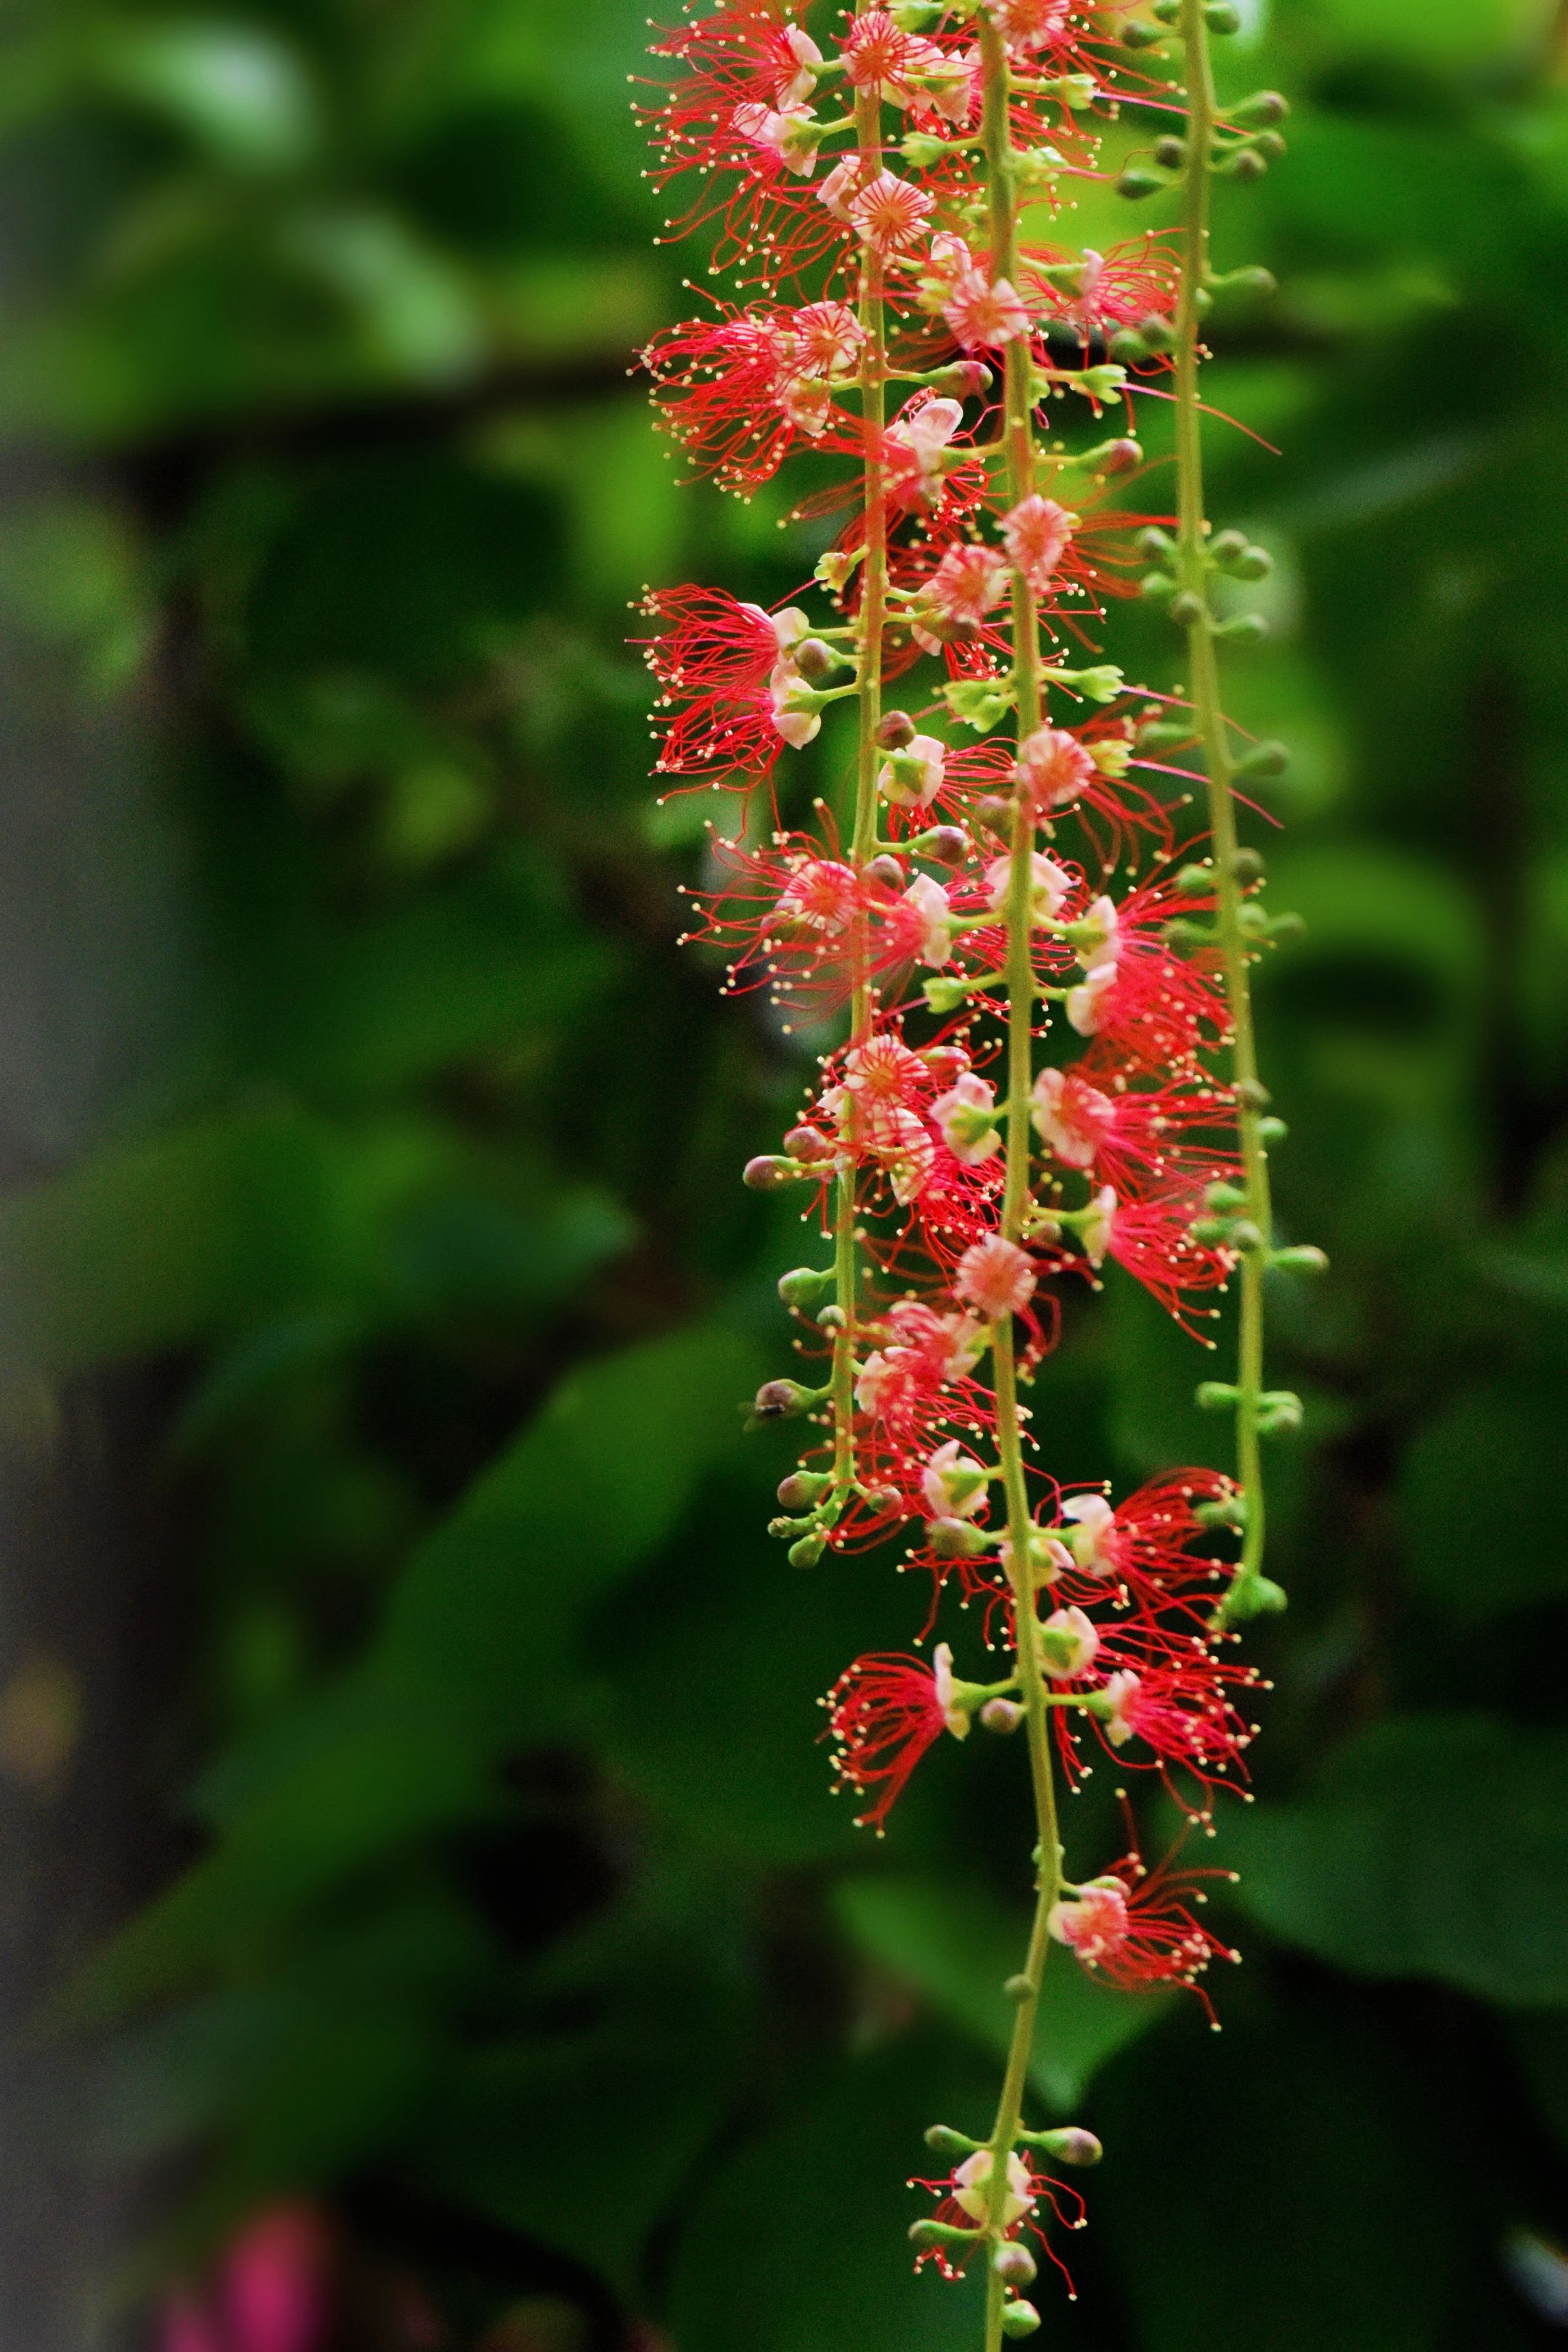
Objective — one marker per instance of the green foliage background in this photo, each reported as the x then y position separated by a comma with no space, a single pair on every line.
374,1185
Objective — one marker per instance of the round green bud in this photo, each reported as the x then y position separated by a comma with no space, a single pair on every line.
800,1287
1019,2319
1135,182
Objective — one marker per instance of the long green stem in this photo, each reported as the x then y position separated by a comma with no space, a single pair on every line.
863,831
1203,688
1018,437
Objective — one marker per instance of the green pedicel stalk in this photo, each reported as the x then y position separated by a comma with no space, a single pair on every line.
1020,980
873,606
1203,686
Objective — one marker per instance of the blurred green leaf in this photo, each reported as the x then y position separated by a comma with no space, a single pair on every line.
236,88
957,1946
489,1605
1429,1846
813,2218
1328,2208
1479,1494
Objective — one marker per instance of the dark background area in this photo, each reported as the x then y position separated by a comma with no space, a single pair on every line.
408,1798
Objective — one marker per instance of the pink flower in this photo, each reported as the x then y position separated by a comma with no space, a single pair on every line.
984,316
271,2292
1028,26
1036,534
967,582
930,905
1135,1928
1048,887
822,894
889,212
954,1485
1071,1643
1069,1117
789,134
912,776
915,447
966,1115
994,1276
885,1712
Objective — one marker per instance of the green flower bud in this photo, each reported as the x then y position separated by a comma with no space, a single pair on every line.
1222,17
802,1284
1135,182
1279,1413
942,2140
1265,106
1137,36
1301,1257
1071,2145
1169,152
807,1551
1015,2264
1187,610
1260,1596
1019,2319
1246,629
1216,1396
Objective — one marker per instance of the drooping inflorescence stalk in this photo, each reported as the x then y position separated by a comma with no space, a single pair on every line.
1033,1007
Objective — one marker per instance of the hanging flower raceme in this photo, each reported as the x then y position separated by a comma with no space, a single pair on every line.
1028,1012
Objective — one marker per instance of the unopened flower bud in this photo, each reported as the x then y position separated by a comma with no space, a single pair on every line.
1135,182
802,1284
896,729
956,1540
1001,1716
1266,106
1169,152
944,845
1071,2145
815,660
1302,1257
886,870
1121,456
805,1143
802,1488
807,1551
1263,759
1015,2265
942,2140
767,1173
781,1401
1019,2319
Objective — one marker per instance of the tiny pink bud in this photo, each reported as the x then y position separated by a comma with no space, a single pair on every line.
1002,1715
895,731
767,1173
1015,2265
